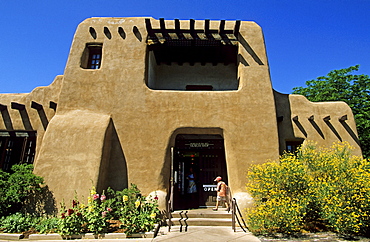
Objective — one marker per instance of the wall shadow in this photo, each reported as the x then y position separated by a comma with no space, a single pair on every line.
6,118
43,118
41,112
351,132
300,127
314,124
242,60
41,203
331,127
25,119
284,121
113,167
249,49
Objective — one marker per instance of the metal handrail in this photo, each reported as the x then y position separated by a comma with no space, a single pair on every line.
186,223
236,214
169,215
181,218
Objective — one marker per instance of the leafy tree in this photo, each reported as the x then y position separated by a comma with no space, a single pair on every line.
343,85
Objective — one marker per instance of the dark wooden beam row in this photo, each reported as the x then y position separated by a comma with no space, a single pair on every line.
153,39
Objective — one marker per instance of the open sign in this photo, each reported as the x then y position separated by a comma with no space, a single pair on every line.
209,188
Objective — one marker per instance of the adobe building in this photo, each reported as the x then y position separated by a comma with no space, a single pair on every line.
143,100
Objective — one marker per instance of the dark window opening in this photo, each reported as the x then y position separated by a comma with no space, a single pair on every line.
92,56
293,146
16,147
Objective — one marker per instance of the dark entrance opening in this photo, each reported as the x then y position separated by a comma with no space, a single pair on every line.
200,158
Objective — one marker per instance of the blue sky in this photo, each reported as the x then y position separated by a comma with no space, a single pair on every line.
304,39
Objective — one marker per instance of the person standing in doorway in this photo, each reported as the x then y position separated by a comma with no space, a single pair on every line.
192,187
221,193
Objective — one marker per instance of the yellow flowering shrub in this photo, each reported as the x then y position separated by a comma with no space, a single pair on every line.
316,186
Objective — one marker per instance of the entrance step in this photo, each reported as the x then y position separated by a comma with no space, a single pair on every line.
203,217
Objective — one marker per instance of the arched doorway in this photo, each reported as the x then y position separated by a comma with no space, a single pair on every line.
203,155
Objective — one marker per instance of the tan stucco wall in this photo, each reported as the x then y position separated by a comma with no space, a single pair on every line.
318,130
41,95
145,119
111,129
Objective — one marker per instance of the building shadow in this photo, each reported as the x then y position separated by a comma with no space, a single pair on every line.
331,127
300,126
249,49
317,128
351,132
113,168
24,115
41,203
6,117
41,112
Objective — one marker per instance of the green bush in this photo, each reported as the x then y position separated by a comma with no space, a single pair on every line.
17,223
316,188
47,225
16,186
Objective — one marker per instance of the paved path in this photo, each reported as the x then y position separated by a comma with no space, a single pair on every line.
205,233
194,233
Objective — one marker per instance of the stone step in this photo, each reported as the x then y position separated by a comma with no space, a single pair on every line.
203,222
203,215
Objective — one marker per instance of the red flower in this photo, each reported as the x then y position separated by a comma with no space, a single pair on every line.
156,198
70,211
95,196
74,203
102,197
63,215
109,209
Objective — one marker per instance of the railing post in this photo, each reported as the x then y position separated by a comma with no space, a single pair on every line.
169,215
233,214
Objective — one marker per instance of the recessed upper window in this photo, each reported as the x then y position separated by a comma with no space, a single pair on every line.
192,59
92,56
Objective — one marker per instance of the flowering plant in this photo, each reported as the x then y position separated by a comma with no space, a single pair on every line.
135,212
71,219
97,213
138,213
316,188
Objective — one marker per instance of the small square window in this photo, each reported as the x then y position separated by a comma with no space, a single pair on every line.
92,56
